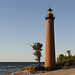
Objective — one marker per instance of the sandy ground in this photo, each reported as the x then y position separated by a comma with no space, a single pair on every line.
56,72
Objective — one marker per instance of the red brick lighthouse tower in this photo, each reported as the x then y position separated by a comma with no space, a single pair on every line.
50,43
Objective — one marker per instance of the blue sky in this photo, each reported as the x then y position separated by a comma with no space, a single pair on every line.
23,22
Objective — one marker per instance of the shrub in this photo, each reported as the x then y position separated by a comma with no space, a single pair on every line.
73,62
34,68
39,68
28,68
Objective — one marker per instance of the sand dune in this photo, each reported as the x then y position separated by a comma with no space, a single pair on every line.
56,72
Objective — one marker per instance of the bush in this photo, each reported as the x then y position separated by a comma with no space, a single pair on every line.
34,68
73,62
28,68
64,60
39,68
55,68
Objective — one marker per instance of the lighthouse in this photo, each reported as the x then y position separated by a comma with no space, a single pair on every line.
50,42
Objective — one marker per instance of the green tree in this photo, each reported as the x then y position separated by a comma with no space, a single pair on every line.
61,57
69,52
64,60
74,57
37,47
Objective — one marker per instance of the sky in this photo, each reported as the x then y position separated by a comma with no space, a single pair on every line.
22,22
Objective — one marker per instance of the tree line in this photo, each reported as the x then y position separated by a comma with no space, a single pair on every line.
64,60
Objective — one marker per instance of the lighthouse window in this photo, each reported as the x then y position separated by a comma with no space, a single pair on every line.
49,21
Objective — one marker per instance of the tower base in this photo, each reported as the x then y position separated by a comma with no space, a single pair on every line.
51,68
48,68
